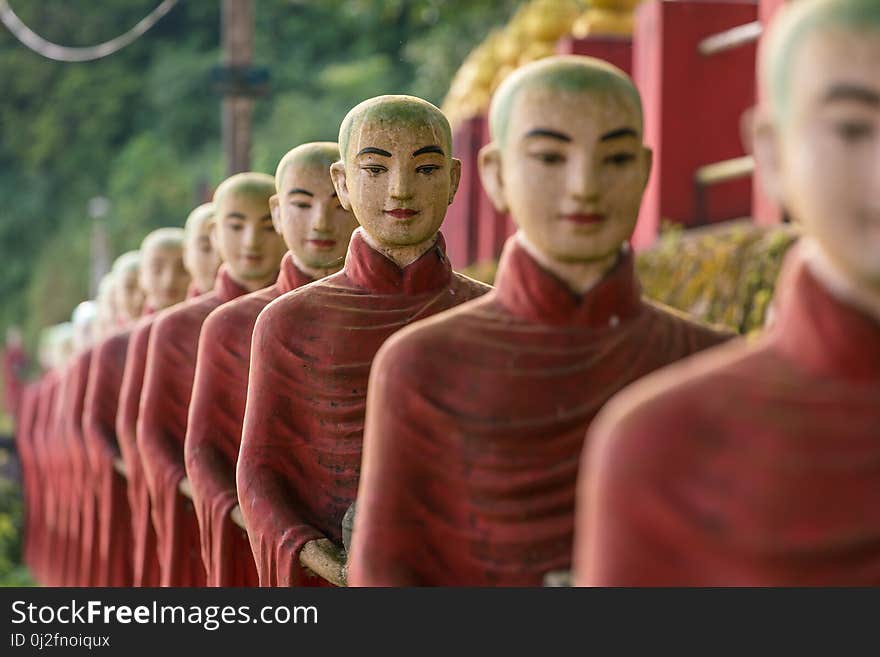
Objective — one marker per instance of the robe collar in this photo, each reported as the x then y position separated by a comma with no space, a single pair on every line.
373,271
821,332
528,290
225,288
290,277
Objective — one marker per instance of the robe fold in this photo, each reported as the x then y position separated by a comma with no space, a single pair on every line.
24,436
79,499
476,419
56,469
213,433
45,503
145,560
311,354
752,465
161,429
115,543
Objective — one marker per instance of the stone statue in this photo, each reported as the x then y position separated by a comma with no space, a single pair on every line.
316,229
759,464
312,348
251,251
476,418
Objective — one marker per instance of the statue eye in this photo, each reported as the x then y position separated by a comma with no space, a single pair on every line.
549,157
619,159
427,169
852,131
374,169
303,205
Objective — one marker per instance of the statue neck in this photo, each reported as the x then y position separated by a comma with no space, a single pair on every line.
579,277
316,272
400,255
837,281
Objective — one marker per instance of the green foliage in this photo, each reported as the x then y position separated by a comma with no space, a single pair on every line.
12,573
142,127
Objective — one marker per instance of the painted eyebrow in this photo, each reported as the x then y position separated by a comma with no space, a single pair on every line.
376,151
235,215
617,134
852,92
544,132
428,149
299,190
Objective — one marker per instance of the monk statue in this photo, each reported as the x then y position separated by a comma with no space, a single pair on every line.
312,349
72,474
201,259
316,229
129,297
476,418
759,464
107,321
163,283
251,251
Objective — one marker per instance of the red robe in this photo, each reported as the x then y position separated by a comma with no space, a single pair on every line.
24,436
145,560
754,464
476,420
161,429
312,349
44,501
78,500
14,364
213,434
55,466
115,543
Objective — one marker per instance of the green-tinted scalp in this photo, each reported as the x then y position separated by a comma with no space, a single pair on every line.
199,216
313,154
405,110
249,183
164,238
126,262
564,73
793,26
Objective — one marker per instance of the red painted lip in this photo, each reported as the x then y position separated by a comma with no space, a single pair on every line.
586,219
323,244
402,213
253,258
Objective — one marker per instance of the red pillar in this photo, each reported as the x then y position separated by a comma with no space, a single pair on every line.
693,104
765,211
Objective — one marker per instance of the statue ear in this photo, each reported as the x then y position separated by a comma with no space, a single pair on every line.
212,235
275,209
768,158
489,163
337,175
648,163
454,178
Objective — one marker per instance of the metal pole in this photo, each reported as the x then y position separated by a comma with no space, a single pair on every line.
237,24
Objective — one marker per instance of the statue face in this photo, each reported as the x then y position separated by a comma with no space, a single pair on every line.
129,296
163,276
571,171
246,239
823,165
397,180
200,257
308,214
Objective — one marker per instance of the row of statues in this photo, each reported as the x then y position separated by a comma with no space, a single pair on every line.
488,435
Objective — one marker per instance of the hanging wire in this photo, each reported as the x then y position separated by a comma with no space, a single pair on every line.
85,54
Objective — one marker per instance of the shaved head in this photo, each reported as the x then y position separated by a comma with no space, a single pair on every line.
163,238
395,110
793,26
563,74
126,262
314,154
197,218
249,183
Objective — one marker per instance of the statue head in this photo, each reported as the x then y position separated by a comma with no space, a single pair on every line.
397,173
817,141
163,278
243,233
106,300
306,210
128,293
566,157
199,255
84,321
62,348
